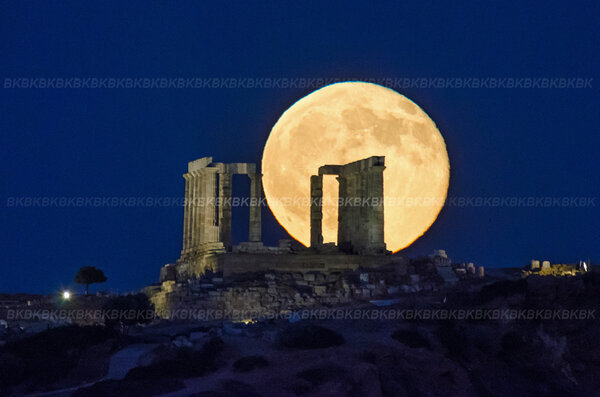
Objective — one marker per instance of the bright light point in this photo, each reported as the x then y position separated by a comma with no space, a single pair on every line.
585,266
66,295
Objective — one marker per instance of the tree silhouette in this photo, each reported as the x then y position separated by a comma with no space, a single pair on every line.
89,275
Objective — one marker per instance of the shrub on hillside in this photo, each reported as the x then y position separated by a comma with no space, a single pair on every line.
186,364
129,309
48,356
306,336
411,338
250,363
504,289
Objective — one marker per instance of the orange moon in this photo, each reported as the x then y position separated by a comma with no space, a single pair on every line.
349,121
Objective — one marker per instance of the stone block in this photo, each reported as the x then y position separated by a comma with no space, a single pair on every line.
298,276
168,286
546,265
535,264
332,277
440,253
285,244
320,289
309,277
480,271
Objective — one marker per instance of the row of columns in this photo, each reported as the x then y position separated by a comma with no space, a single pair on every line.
360,209
207,211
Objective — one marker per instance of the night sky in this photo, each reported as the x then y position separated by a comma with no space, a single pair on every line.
103,142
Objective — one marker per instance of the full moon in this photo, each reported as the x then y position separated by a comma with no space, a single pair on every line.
349,121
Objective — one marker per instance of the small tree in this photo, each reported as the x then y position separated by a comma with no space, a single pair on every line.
89,275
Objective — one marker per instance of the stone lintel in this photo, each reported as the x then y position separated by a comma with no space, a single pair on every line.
235,168
330,169
363,165
199,163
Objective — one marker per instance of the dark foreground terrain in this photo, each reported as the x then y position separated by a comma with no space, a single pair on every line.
526,354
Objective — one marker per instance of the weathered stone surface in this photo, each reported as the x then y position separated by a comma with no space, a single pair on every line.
205,183
360,213
309,277
546,265
480,271
470,268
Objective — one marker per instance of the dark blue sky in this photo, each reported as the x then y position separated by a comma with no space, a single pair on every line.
137,142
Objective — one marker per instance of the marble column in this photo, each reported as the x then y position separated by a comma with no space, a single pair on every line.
209,193
187,212
364,208
342,236
316,210
352,212
198,202
254,234
375,221
225,180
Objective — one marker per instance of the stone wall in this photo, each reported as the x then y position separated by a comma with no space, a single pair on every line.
277,259
284,291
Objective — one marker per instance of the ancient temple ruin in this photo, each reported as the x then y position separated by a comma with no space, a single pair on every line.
207,215
207,242
360,206
252,278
